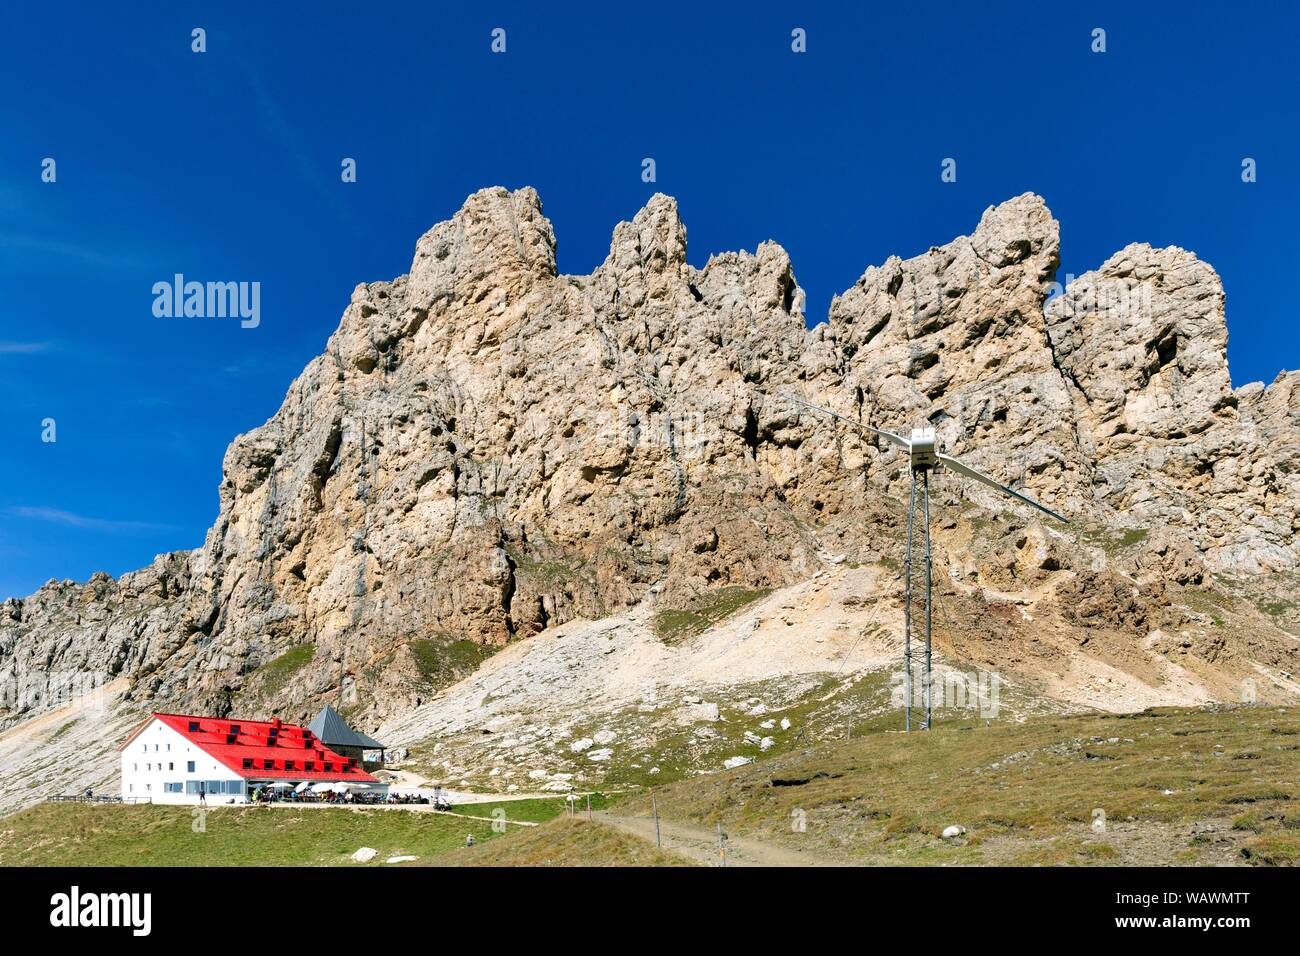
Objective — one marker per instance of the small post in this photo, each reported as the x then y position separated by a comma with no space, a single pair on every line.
655,806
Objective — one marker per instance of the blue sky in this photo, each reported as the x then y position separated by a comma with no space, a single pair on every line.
225,166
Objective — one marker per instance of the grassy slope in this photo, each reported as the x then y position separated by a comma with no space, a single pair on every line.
76,834
1027,793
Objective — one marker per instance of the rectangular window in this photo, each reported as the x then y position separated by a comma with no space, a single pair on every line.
268,764
194,726
248,763
288,765
189,766
192,786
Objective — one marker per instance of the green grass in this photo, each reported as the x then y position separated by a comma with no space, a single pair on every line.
1025,792
1113,540
530,811
73,834
673,626
275,674
446,659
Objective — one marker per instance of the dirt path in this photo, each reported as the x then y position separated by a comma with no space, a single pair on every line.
701,844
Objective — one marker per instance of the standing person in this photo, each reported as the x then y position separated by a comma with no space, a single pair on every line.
203,796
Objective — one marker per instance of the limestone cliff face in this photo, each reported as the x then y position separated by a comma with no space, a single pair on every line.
1142,343
488,448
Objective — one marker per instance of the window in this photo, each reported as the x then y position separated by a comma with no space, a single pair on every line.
148,766
288,765
130,787
192,786
234,728
171,766
194,726
135,766
248,763
268,764
329,768
173,787
189,766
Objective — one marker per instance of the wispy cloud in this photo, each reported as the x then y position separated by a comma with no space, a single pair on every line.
291,144
71,520
59,249
22,348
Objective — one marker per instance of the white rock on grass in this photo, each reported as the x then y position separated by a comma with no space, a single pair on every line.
767,743
767,725
365,854
401,859
604,753
952,832
731,763
578,746
605,737
785,723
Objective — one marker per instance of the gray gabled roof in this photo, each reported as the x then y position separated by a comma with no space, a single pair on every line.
332,730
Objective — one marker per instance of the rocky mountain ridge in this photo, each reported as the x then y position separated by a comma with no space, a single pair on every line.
488,449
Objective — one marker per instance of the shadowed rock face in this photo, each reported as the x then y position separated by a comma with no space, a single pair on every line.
488,448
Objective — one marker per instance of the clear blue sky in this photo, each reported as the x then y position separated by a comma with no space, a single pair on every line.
225,165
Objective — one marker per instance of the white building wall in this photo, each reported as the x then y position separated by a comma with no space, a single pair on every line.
159,756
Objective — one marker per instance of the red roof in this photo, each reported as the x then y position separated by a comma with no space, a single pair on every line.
265,750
